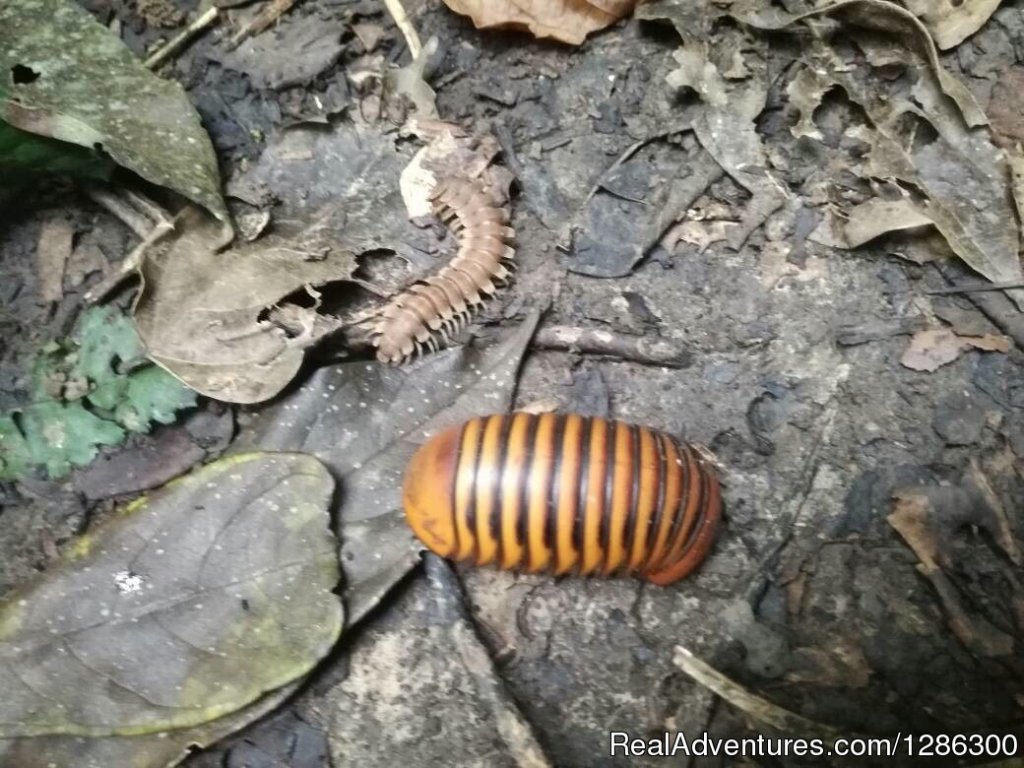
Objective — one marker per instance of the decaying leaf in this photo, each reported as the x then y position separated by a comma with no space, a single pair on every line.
156,750
952,21
730,77
364,420
927,518
410,82
192,604
869,220
102,367
201,312
65,76
933,348
449,152
569,21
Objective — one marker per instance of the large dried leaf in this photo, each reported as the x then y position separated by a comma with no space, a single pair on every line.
190,606
65,76
201,312
569,21
364,420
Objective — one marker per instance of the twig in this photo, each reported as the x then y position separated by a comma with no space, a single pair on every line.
177,42
125,212
412,39
975,288
270,13
638,349
757,707
131,263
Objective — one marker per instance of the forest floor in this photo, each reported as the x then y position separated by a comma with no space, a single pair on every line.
790,369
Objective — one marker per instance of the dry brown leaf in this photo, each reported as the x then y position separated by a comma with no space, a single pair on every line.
52,251
934,348
449,151
925,518
569,21
201,310
952,22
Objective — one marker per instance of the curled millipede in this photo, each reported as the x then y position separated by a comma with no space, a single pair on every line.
432,310
564,493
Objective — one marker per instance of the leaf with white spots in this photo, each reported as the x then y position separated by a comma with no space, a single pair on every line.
364,421
65,76
192,604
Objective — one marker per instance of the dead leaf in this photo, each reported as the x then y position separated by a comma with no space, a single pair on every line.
450,152
919,138
410,83
52,251
951,22
931,349
569,21
872,219
926,518
200,311
731,78
157,750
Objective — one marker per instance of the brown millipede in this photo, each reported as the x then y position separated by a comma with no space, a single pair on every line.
564,493
433,309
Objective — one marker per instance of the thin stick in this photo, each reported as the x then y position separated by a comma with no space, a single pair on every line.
177,42
412,39
975,288
270,13
638,349
759,708
130,265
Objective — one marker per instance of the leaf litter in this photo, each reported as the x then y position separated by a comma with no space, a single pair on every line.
191,605
927,133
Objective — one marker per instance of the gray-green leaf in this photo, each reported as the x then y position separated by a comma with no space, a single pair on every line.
191,605
65,76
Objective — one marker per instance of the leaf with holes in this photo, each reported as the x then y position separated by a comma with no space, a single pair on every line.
64,76
192,604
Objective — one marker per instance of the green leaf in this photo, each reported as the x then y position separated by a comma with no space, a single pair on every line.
191,605
87,392
152,395
60,435
15,457
65,76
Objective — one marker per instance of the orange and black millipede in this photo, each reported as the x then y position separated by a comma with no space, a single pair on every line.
564,494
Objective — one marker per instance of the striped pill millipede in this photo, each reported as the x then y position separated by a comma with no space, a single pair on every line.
564,494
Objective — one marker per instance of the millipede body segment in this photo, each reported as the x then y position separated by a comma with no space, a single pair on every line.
432,310
564,494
